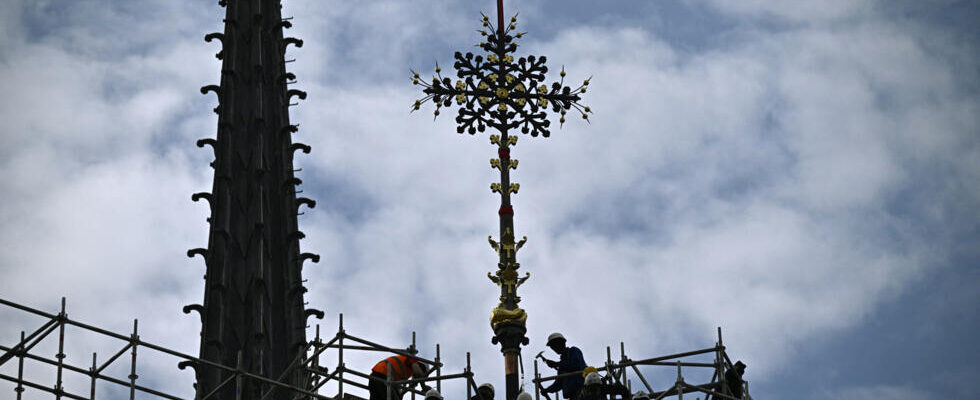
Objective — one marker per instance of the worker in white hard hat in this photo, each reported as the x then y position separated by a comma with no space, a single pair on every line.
595,389
592,379
483,392
571,361
433,394
523,396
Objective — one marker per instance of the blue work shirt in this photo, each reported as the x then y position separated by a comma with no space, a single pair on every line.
571,361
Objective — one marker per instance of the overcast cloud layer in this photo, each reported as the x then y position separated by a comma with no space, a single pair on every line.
804,175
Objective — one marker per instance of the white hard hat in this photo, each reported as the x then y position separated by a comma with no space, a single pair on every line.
554,336
641,395
592,378
433,394
487,385
523,396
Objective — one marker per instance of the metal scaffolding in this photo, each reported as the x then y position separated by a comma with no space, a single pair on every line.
342,341
618,373
24,352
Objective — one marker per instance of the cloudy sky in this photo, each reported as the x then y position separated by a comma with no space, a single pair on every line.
805,175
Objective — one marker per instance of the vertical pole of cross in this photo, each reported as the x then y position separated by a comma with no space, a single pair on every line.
511,337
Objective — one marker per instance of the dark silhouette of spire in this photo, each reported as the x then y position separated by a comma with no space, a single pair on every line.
253,314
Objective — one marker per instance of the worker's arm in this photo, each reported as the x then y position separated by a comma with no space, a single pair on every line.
417,372
553,388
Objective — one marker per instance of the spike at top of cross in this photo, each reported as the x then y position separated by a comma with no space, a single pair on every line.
498,92
500,15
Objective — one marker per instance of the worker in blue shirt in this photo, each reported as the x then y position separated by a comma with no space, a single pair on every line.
571,361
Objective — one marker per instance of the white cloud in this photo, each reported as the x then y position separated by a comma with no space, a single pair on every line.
796,11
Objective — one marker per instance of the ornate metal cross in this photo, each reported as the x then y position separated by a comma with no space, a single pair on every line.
497,92
504,93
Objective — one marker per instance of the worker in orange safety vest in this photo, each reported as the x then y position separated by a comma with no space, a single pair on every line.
401,368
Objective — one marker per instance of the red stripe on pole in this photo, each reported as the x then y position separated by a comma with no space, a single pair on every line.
500,16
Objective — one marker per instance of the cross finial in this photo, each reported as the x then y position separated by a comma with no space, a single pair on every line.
500,91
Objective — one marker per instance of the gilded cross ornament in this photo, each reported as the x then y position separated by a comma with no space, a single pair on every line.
499,91
496,90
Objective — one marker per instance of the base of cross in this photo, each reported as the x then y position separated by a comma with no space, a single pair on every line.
511,336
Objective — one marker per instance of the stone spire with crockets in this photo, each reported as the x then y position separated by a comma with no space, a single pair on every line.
253,316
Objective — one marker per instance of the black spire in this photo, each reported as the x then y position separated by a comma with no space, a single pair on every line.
253,314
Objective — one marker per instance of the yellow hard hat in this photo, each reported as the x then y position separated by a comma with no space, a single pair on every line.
587,370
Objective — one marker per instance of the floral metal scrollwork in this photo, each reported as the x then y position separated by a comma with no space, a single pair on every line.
500,91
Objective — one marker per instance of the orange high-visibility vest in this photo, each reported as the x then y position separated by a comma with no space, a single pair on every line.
402,367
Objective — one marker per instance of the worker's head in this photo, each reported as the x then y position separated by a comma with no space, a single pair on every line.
486,391
641,395
433,394
592,378
740,367
556,342
523,396
588,370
